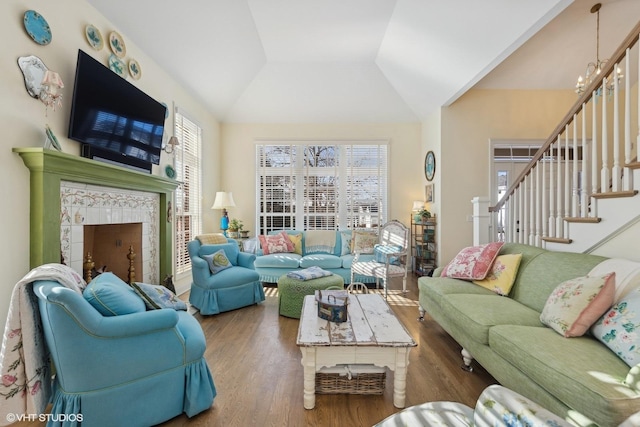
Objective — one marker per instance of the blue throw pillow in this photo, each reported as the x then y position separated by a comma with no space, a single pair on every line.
218,261
380,253
157,296
111,296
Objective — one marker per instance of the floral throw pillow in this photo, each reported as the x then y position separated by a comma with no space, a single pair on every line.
276,243
218,261
157,296
618,329
578,303
363,242
472,263
345,239
502,274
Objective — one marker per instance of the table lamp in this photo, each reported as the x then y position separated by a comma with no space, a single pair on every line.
223,201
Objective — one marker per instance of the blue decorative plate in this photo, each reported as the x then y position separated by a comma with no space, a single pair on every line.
170,171
37,27
118,66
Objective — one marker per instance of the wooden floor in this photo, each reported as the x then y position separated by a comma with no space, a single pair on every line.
255,365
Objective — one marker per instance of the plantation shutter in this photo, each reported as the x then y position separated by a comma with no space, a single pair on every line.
188,223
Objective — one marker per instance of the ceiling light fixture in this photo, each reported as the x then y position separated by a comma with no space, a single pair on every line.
594,68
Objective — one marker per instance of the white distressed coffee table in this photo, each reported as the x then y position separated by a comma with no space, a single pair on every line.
372,334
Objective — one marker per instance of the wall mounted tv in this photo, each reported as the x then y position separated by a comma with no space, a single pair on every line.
115,121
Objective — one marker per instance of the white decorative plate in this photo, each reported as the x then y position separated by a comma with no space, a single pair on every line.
94,37
118,66
134,69
116,43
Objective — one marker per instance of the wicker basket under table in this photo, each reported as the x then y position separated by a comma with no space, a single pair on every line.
351,379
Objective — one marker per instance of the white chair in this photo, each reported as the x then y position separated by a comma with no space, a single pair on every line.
391,256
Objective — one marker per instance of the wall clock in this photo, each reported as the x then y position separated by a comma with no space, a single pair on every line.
430,166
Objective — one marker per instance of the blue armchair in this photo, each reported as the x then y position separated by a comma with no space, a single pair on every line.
138,369
231,288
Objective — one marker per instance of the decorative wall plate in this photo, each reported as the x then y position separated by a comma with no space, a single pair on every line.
94,37
118,66
116,43
430,166
52,138
37,27
134,69
170,171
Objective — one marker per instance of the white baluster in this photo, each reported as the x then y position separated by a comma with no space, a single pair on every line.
567,177
574,183
538,205
559,204
544,217
521,227
584,183
552,194
508,231
605,176
616,172
531,211
594,154
628,175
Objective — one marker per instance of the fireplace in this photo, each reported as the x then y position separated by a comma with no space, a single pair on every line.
69,192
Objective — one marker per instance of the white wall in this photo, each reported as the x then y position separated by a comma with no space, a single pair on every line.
22,118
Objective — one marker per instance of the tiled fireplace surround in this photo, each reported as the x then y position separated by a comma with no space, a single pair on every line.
68,192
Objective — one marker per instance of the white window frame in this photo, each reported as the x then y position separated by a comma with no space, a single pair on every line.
188,195
340,204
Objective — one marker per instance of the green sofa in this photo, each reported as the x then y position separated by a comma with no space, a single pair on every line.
577,378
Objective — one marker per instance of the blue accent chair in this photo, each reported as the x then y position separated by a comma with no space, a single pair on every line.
136,369
234,287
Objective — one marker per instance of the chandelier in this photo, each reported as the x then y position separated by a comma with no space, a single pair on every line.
594,68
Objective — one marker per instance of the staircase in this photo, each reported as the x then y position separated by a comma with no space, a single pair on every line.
581,186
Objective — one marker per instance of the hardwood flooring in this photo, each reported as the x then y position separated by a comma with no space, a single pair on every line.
255,364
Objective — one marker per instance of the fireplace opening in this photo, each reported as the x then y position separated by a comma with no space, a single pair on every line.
109,247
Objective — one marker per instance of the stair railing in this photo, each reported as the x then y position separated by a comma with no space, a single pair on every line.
581,161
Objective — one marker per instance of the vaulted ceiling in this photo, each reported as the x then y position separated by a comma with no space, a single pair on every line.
315,61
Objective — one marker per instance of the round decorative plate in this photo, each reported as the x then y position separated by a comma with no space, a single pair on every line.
116,43
170,171
37,27
430,165
134,69
94,37
117,65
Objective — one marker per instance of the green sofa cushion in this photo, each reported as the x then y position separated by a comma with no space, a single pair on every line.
582,373
477,314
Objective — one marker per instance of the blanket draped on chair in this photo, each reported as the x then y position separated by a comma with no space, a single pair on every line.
320,241
24,362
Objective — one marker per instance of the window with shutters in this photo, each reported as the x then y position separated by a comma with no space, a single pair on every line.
320,186
188,221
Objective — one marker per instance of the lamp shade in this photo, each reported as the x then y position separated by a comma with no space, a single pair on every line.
417,205
223,200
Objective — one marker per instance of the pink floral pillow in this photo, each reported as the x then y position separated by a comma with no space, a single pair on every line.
276,243
473,263
578,303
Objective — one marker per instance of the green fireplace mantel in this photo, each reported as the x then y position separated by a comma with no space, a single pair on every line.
49,167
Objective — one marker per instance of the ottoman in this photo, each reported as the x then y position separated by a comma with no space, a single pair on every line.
292,292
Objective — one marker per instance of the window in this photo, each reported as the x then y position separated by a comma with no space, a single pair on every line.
188,222
320,186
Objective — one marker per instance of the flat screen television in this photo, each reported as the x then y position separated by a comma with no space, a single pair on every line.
115,121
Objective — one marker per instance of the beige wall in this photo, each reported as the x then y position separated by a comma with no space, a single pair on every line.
22,118
467,127
406,157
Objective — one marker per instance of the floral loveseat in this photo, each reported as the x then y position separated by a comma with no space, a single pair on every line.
329,250
591,378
